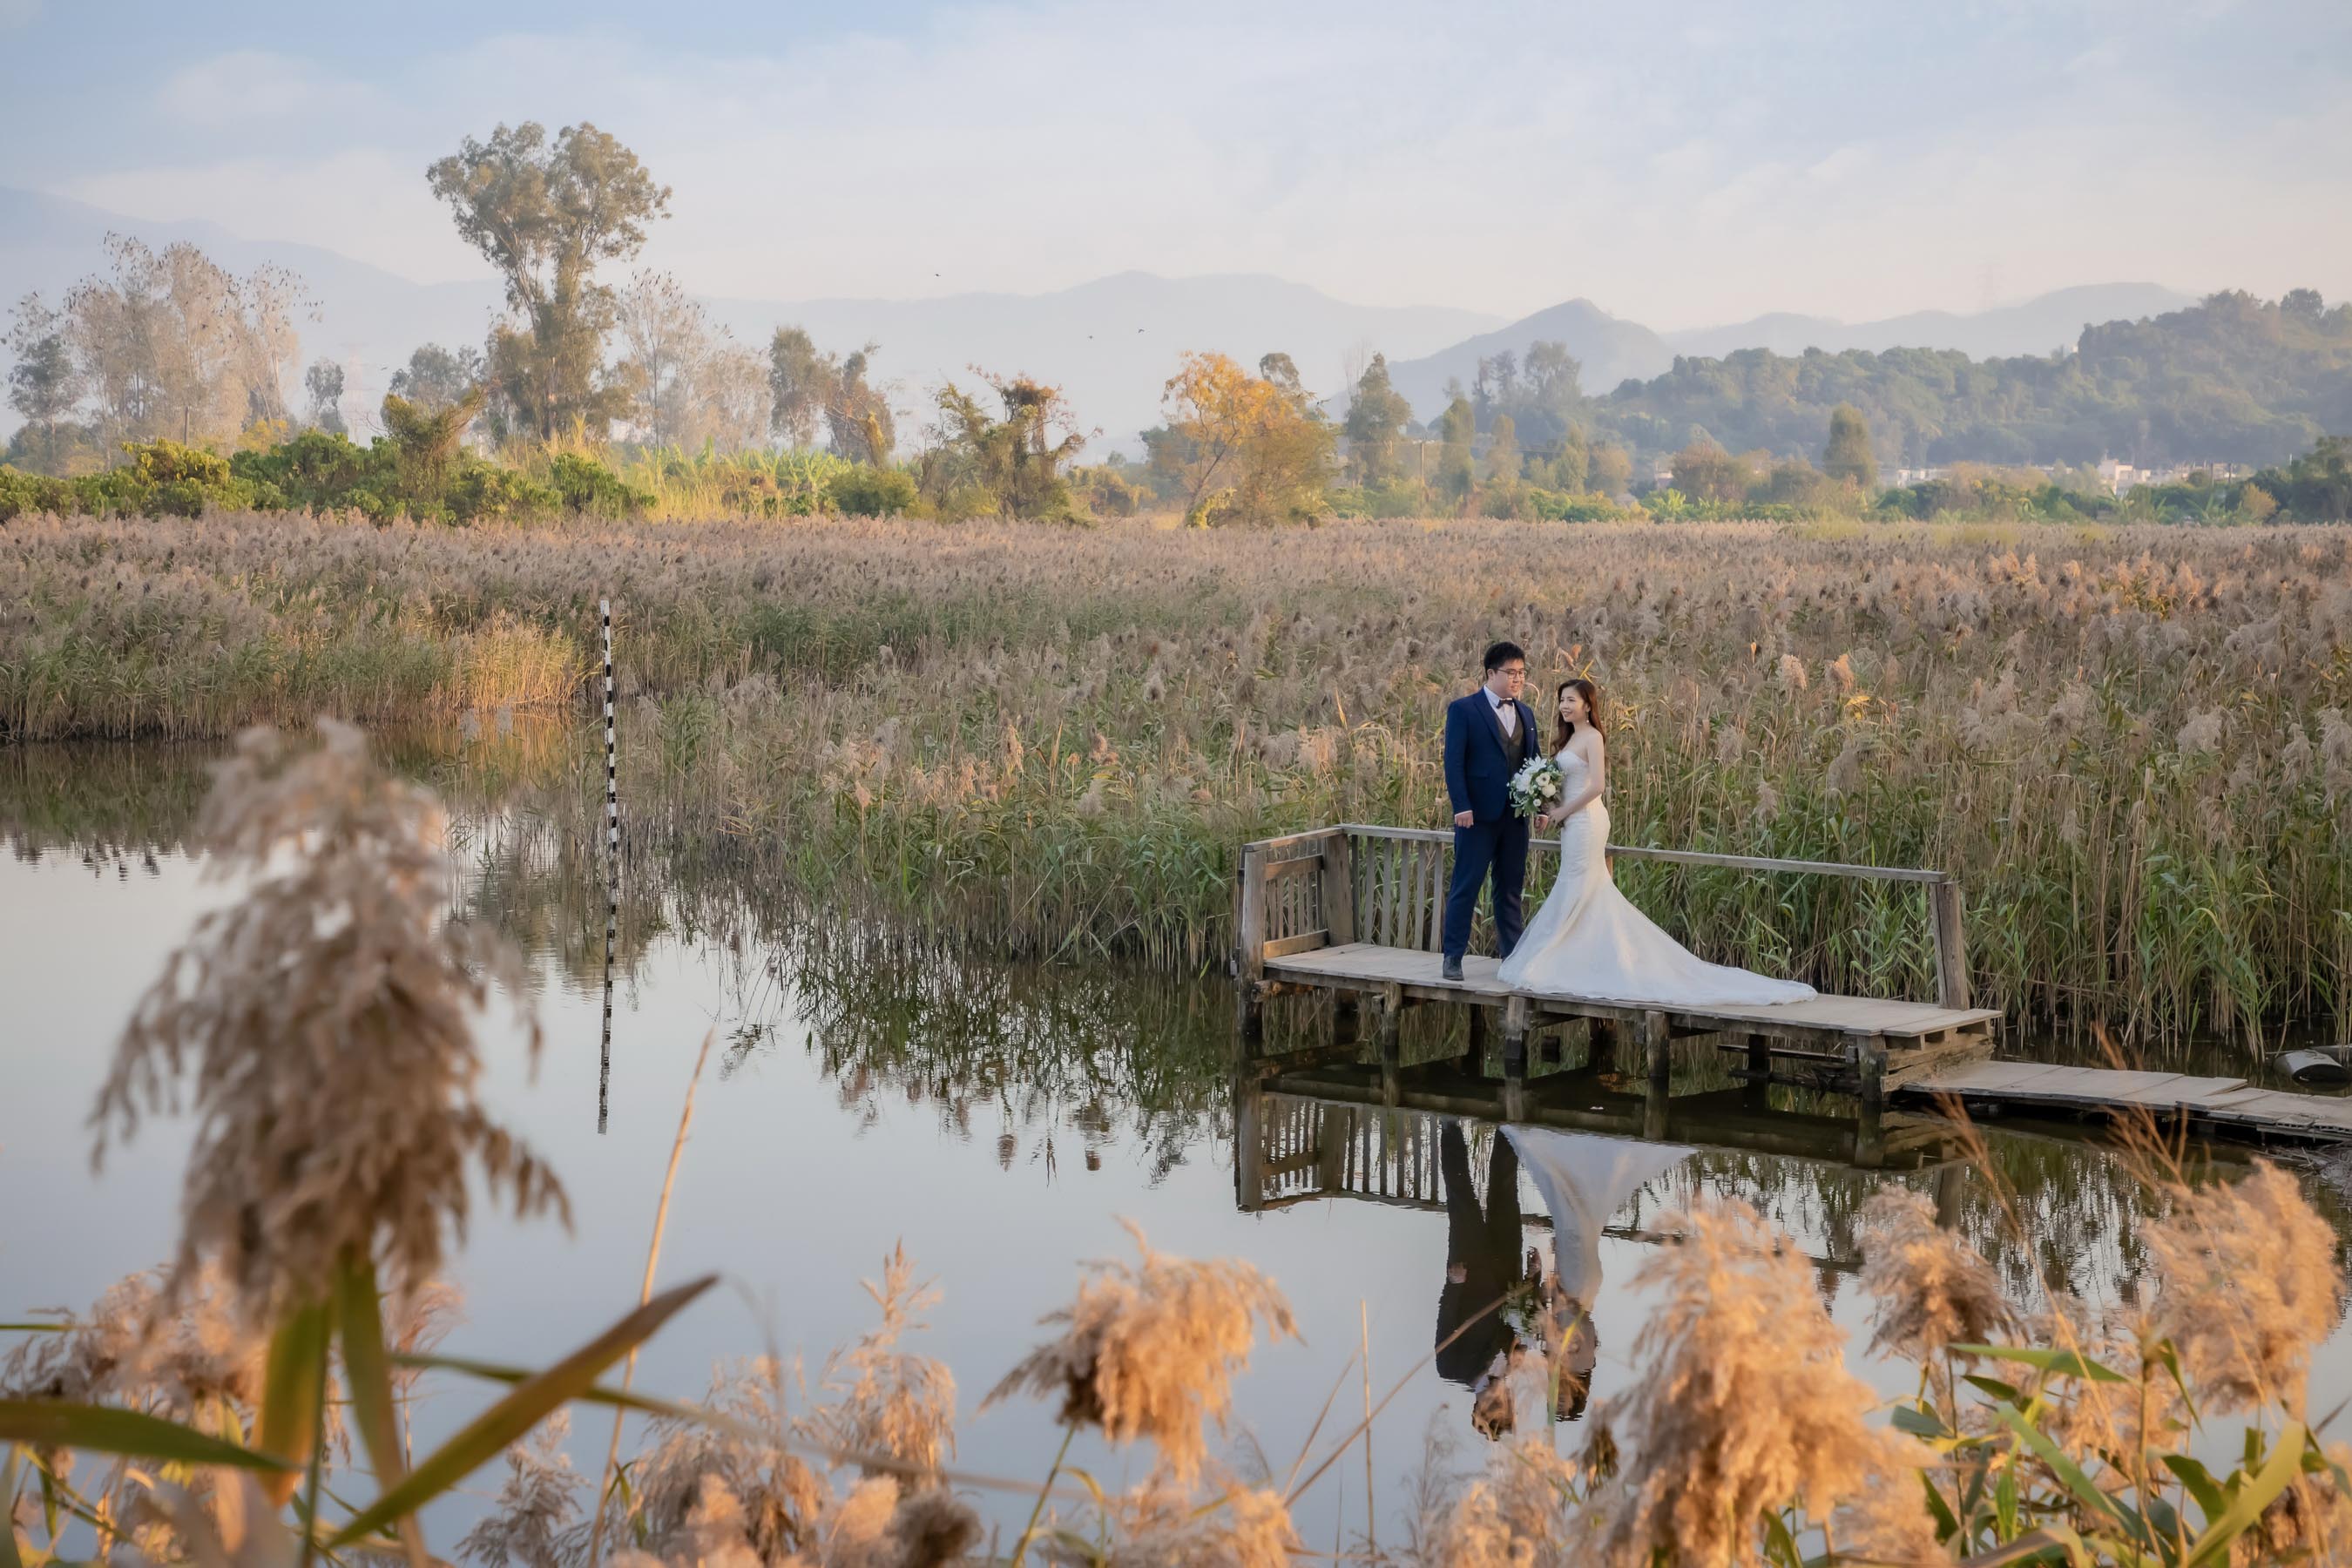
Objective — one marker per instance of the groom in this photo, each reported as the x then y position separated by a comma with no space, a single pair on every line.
1488,734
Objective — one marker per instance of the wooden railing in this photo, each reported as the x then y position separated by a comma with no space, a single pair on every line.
1387,886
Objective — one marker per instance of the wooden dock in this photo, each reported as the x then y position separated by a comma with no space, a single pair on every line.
1353,912
2225,1107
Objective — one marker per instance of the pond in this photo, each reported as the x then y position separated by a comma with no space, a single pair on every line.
1000,1120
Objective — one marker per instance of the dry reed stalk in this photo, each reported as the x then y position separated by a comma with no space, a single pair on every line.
1150,1349
327,1020
646,1290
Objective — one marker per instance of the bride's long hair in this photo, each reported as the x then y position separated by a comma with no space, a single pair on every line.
1562,729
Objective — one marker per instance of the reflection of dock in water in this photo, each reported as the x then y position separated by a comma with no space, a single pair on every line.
1294,1146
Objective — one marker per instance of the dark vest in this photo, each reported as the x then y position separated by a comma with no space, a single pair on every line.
1521,746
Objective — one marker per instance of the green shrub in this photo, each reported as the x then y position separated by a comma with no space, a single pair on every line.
867,491
21,492
583,485
1389,497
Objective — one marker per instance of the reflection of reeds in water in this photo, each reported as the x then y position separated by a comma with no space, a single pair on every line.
1741,1438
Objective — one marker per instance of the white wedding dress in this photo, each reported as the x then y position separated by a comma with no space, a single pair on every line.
1584,1180
1588,941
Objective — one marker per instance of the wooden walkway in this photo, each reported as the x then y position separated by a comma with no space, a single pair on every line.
1353,912
2228,1106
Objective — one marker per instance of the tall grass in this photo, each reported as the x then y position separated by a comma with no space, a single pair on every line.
2131,744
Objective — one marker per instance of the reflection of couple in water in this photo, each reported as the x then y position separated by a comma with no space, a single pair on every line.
1583,1179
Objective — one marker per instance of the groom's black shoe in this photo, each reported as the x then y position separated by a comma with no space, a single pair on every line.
1453,969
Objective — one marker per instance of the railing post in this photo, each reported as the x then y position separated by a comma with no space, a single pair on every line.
1339,889
1516,1022
1945,907
1249,1145
1658,1064
1249,951
1391,1042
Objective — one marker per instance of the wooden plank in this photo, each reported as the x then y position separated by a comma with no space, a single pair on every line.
1818,1015
1283,870
1290,840
1289,946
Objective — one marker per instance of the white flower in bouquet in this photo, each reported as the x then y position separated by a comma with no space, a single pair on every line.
1535,786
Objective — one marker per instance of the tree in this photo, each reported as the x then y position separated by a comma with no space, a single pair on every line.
1376,417
1282,371
1848,459
1457,428
800,383
44,383
435,377
425,441
546,215
1241,447
1705,472
1503,453
691,382
856,415
1553,378
324,382
1497,385
2302,305
172,344
1611,470
1567,467
1012,466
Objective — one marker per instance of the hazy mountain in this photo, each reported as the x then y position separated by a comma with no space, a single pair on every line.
2035,327
1110,343
1611,350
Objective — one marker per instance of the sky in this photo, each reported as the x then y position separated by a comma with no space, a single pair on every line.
1678,164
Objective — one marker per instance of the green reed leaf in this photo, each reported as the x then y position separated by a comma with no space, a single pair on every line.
359,1306
2253,1495
2065,1363
488,1435
101,1429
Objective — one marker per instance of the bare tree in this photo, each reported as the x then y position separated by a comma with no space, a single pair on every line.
690,380
174,344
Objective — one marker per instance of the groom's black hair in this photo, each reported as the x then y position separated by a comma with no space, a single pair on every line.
1502,653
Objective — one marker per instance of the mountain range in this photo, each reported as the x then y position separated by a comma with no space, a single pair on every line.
1110,343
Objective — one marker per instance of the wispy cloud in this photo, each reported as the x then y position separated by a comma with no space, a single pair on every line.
248,85
1849,159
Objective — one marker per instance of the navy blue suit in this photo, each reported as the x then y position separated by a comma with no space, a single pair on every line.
1479,762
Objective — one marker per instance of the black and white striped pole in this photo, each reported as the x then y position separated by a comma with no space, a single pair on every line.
612,866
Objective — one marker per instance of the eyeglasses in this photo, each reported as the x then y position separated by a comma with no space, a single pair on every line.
1512,671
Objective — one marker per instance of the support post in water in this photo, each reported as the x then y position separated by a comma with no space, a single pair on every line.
612,869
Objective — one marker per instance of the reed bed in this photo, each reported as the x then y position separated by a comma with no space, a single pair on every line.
2131,744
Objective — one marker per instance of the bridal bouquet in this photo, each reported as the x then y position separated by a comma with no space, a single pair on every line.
1535,785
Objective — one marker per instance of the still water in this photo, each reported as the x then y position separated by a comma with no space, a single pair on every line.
999,1121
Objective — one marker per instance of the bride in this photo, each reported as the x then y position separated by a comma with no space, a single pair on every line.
1587,940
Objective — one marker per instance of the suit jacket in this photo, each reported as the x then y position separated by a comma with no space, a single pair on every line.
1479,762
